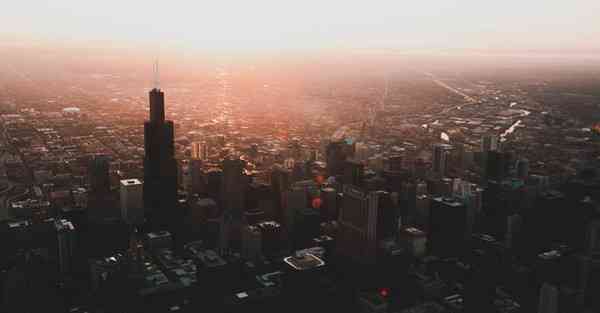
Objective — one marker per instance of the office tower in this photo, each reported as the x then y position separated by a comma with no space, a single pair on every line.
98,173
422,206
387,216
420,168
336,152
395,162
185,176
66,242
299,172
329,204
414,240
353,173
195,153
202,209
195,168
132,201
225,229
548,299
159,240
357,232
253,217
447,227
361,152
256,196
307,224
544,223
489,143
200,151
294,199
214,180
233,186
99,204
271,235
496,167
280,182
160,167
374,183
513,229
106,270
593,238
441,154
251,243
444,187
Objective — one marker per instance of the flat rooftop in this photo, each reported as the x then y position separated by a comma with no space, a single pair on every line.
304,262
130,182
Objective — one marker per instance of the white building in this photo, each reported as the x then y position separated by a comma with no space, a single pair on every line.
132,201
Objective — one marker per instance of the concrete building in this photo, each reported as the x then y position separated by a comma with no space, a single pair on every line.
132,201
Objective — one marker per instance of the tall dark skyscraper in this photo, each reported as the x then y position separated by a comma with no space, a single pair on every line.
160,168
98,173
100,200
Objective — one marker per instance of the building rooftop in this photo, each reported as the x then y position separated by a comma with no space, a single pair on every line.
209,258
302,262
550,255
159,234
129,182
63,225
448,201
415,232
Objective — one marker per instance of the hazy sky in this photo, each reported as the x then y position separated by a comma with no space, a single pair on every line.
309,24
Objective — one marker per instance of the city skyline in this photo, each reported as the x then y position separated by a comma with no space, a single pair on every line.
354,157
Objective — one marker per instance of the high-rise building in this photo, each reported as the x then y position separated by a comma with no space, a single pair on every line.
132,201
306,227
159,240
522,168
195,168
496,165
270,237
329,204
200,151
353,173
593,238
548,299
358,225
414,240
387,216
66,241
251,243
100,201
295,199
280,182
441,152
185,176
489,143
98,173
160,167
337,152
447,226
233,186
361,152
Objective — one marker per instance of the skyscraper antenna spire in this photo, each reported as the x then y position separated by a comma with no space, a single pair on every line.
156,76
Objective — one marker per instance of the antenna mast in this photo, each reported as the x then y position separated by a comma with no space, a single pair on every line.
156,77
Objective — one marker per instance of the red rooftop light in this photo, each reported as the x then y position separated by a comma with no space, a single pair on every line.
384,292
